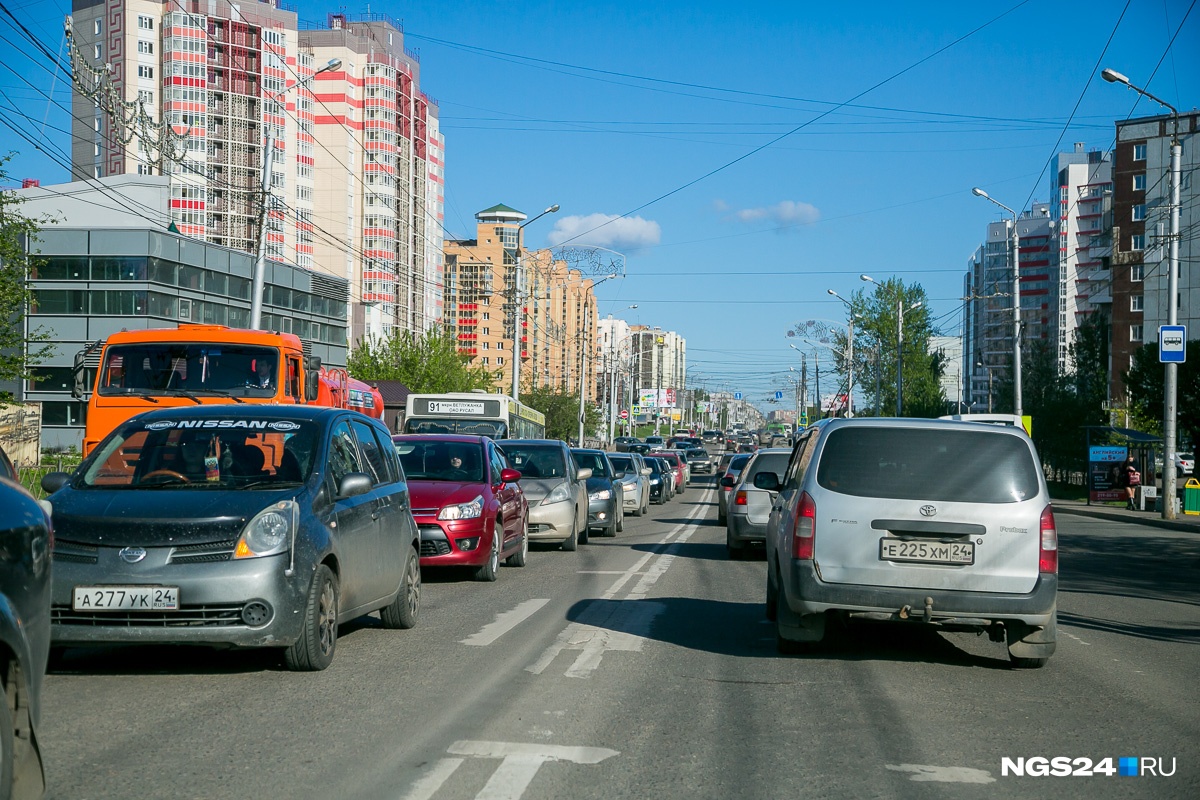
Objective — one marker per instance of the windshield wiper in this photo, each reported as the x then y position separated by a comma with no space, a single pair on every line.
218,393
181,393
274,484
143,393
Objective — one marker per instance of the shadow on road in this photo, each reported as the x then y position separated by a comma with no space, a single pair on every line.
741,629
705,551
1158,633
1137,565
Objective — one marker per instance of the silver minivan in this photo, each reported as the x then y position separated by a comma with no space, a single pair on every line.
916,521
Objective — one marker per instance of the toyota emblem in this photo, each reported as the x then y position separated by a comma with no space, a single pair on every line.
928,511
132,554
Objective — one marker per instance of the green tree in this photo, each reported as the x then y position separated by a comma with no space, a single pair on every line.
428,363
1145,384
20,352
562,411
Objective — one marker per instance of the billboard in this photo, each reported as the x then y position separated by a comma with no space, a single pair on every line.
661,398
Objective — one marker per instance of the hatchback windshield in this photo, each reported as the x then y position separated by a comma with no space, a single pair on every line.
257,454
534,461
596,462
441,461
926,464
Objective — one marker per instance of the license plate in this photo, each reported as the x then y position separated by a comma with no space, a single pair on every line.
126,598
927,552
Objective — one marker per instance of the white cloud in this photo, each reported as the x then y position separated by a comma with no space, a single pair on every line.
606,230
786,212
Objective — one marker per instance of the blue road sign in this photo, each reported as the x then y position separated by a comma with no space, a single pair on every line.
1172,344
737,395
778,395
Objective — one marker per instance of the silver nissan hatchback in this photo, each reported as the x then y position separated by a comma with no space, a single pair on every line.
925,522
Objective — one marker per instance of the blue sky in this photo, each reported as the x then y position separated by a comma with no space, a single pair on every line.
604,108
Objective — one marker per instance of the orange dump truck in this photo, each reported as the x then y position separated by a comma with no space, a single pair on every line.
204,364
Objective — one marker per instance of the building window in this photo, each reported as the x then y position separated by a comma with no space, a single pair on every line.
145,169
1135,333
1137,273
1139,152
146,48
1139,212
500,359
97,27
485,361
99,51
486,332
499,345
1139,182
145,71
1137,241
145,96
487,345
486,315
1135,302
145,23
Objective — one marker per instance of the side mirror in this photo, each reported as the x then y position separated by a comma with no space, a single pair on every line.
78,375
727,481
508,475
53,481
312,378
766,480
647,471
585,473
354,484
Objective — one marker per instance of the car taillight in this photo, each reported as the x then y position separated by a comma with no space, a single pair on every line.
739,499
1048,545
804,528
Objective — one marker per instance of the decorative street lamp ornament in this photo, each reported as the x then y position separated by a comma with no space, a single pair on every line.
589,260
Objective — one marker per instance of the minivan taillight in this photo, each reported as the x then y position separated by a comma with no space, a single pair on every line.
1048,544
804,528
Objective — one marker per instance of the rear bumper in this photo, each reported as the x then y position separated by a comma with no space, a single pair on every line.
741,529
806,593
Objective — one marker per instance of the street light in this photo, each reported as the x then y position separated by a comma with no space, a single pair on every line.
989,369
260,262
1171,369
1016,294
899,340
849,354
516,356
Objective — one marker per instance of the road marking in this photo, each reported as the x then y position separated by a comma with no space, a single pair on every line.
604,625
1076,638
504,623
432,780
926,772
599,572
520,762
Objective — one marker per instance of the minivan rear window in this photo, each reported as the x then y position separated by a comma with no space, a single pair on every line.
928,464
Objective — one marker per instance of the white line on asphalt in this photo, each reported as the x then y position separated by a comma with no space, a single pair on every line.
504,623
599,572
432,779
641,562
1076,638
926,772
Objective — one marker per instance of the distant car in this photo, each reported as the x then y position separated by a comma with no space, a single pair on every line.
467,502
662,479
750,507
727,481
639,447
634,476
24,633
245,525
699,460
711,437
606,501
938,524
554,486
747,447
654,442
621,443
679,464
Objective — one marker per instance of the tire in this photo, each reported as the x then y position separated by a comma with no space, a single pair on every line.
402,613
1026,663
487,571
8,746
315,648
619,524
585,534
572,541
772,594
721,518
786,647
519,558
735,553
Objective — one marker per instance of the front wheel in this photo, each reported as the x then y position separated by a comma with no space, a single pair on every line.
572,541
403,611
486,571
314,650
519,558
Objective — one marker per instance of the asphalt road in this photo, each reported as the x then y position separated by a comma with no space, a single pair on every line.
642,666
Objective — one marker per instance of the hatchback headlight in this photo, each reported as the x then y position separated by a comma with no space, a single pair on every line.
602,494
558,494
655,481
270,532
471,510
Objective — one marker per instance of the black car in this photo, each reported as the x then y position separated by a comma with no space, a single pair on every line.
606,499
252,526
25,546
659,481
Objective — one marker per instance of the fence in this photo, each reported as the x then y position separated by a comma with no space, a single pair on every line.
31,477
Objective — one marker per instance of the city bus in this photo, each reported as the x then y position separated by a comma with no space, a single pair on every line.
476,413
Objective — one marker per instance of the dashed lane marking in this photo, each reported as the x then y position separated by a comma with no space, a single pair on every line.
504,623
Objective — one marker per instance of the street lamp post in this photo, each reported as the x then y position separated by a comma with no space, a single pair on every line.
519,272
1171,369
989,369
260,261
1016,296
899,342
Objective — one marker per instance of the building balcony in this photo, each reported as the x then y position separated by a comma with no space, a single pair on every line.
468,336
467,351
468,323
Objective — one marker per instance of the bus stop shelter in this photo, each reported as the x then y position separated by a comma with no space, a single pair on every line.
1105,444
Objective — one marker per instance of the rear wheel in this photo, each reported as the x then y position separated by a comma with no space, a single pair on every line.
403,611
314,650
772,594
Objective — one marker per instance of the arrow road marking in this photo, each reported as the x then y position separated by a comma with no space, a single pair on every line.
504,623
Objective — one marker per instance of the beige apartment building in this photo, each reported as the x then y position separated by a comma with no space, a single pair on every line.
559,318
194,90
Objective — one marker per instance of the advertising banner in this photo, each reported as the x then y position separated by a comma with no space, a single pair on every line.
1104,472
662,398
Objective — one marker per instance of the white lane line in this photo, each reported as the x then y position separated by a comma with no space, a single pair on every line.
1076,638
433,778
641,562
520,763
926,772
504,623
599,572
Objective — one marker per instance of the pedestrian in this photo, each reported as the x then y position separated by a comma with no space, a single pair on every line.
1130,480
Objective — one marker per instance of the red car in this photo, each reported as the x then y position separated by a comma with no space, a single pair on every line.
466,501
677,462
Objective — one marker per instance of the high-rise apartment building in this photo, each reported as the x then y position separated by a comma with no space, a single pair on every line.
660,359
558,306
195,89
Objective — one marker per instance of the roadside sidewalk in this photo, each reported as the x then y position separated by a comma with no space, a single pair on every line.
1184,522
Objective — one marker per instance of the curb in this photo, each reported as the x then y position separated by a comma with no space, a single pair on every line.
1116,516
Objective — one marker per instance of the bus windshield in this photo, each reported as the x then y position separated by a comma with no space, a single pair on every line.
153,367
